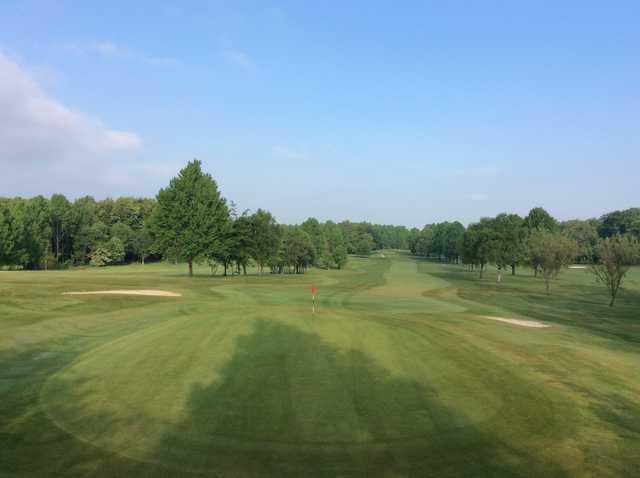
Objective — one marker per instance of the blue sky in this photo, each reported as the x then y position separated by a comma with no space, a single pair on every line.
392,112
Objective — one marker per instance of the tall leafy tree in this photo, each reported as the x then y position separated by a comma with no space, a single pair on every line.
142,243
83,216
297,249
36,232
126,234
190,218
620,222
336,245
351,233
483,244
477,244
424,242
507,242
312,227
364,244
243,241
615,255
266,235
585,233
539,219
554,251
10,234
61,224
107,253
412,240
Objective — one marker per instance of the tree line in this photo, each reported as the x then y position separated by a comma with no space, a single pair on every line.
188,221
609,245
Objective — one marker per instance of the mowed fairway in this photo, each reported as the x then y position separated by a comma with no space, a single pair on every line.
397,374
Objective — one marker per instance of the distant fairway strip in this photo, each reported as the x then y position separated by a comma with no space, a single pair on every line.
150,293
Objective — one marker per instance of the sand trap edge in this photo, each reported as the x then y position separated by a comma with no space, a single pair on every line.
148,293
521,322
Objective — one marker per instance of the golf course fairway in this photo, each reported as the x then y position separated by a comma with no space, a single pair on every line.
399,372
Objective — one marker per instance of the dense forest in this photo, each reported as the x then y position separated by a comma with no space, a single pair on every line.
190,221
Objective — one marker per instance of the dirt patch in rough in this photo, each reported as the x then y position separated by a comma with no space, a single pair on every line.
152,293
520,322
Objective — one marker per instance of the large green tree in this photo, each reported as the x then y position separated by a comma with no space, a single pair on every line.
554,251
296,250
83,216
364,245
10,234
143,243
585,233
620,222
313,228
107,253
477,244
615,255
61,224
540,220
32,217
243,241
336,245
507,242
190,218
266,237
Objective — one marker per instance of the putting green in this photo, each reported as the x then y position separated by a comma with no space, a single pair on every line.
277,376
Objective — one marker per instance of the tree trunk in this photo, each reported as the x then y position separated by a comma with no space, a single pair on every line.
499,275
481,270
244,269
225,269
547,283
190,268
57,245
513,269
142,259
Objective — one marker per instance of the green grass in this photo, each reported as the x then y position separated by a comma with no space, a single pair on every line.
395,375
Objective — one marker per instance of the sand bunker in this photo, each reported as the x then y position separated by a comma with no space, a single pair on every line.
577,267
153,293
521,322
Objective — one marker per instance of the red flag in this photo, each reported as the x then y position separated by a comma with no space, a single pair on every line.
314,291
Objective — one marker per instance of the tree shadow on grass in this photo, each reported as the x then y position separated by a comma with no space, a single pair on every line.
30,443
289,404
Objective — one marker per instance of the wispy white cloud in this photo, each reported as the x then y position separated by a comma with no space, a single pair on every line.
42,138
477,171
239,59
291,154
111,50
160,61
478,197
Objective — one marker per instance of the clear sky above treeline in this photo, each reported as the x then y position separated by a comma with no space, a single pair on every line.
391,112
